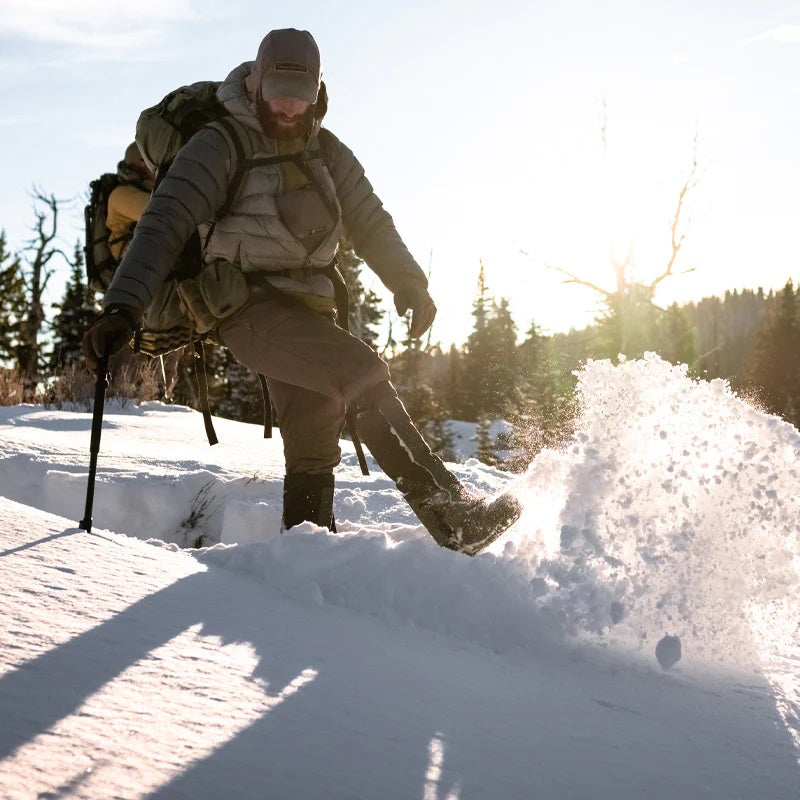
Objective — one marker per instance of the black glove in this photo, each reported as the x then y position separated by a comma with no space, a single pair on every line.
109,333
414,296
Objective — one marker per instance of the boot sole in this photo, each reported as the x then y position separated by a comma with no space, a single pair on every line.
499,528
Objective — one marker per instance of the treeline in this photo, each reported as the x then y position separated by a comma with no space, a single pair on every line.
749,338
500,372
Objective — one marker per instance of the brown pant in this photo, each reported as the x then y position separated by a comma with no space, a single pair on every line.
313,368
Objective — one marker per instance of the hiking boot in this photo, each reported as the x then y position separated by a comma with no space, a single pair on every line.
453,517
465,523
308,498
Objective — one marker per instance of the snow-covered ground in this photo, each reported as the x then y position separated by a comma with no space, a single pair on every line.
371,663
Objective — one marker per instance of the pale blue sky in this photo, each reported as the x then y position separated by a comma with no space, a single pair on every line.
478,124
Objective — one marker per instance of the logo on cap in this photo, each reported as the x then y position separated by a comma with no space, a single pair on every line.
286,66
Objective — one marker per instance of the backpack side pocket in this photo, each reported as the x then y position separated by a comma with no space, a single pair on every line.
223,288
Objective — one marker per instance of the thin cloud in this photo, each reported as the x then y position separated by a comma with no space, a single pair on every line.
785,34
7,122
95,25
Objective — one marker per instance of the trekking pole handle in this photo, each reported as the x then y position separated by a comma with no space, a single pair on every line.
94,443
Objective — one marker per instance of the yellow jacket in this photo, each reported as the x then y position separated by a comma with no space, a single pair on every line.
125,205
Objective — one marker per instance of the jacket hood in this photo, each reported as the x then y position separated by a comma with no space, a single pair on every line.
127,174
234,95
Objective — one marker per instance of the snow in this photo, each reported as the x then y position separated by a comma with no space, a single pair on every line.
371,663
464,436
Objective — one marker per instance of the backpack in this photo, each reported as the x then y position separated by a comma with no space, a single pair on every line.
100,264
161,131
164,128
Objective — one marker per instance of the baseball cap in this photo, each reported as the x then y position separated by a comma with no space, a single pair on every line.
132,153
288,65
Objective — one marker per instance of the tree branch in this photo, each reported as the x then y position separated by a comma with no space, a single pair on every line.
571,278
676,241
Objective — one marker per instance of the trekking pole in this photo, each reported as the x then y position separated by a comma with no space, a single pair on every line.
94,445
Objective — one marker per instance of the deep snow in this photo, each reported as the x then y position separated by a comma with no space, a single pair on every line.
372,663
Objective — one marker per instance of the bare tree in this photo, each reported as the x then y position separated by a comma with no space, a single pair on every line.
631,299
37,270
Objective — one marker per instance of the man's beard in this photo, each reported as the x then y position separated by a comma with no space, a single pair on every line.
271,123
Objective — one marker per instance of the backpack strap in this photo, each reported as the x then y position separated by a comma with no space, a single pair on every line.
202,390
244,163
228,128
262,379
125,237
334,274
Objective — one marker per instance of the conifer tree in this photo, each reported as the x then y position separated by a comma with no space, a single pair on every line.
12,304
440,439
629,323
491,356
410,375
486,450
453,391
365,311
774,365
546,409
677,337
503,373
236,392
478,352
75,312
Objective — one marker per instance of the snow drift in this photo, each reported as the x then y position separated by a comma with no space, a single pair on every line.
673,511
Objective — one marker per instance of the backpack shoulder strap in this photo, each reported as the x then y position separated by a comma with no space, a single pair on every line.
240,146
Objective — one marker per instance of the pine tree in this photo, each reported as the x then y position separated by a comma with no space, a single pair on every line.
478,353
75,312
546,409
453,390
12,305
440,439
677,343
236,392
491,357
774,366
502,378
486,449
410,375
629,324
365,311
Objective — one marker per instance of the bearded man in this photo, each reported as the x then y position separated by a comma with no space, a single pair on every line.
265,290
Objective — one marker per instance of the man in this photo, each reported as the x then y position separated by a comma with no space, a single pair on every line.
126,204
127,201
264,290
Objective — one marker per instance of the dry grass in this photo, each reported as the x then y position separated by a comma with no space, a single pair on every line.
135,381
10,387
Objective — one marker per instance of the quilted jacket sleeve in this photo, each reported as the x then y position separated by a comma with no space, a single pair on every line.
192,191
367,224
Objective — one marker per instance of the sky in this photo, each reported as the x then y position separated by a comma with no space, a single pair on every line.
373,663
530,136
